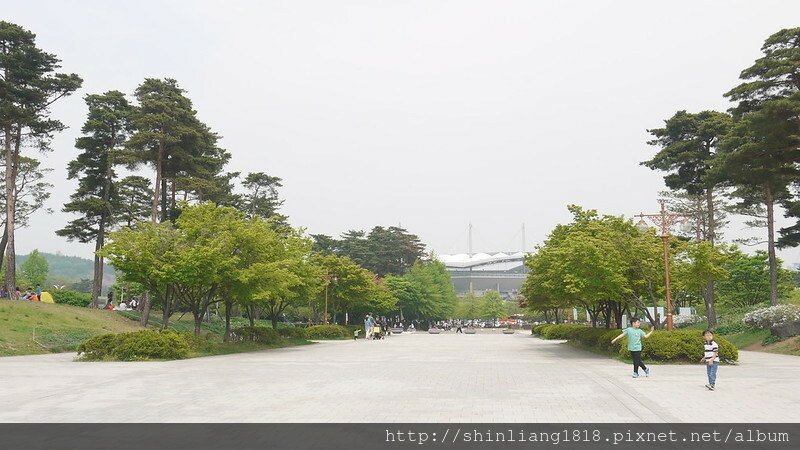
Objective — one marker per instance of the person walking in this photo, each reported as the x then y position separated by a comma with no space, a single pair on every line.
635,335
369,324
710,358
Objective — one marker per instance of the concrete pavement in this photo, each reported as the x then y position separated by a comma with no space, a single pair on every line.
419,377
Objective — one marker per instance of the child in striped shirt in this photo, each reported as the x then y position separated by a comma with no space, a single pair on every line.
710,358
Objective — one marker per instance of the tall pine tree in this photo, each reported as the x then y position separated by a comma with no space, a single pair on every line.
106,130
29,85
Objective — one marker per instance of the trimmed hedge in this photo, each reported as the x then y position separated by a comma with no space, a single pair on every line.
292,332
135,346
676,345
73,298
262,335
328,332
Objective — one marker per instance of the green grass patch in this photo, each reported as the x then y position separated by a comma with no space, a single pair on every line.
28,328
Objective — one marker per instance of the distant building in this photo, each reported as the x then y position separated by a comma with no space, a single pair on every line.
502,272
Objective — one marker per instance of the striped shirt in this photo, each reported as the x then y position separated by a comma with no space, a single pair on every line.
711,350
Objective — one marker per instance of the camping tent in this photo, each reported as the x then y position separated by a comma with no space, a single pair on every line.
47,298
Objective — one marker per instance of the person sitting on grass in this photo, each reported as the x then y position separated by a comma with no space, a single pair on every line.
635,336
710,358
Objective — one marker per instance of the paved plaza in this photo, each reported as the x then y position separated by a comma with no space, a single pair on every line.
487,377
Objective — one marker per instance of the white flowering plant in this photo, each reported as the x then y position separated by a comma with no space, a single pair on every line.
773,316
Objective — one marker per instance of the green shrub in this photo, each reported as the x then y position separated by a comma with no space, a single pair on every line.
676,345
99,347
292,332
262,335
328,332
138,345
149,344
73,298
539,329
565,331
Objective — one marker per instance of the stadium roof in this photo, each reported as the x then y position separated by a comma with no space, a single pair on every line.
462,260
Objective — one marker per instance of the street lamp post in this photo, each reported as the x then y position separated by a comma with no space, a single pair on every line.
664,221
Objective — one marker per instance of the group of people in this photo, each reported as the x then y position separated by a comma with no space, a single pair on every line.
122,306
31,295
634,334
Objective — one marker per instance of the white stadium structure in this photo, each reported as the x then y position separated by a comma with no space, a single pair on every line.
480,272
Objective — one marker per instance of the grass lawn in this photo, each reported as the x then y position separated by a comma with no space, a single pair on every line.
28,328
789,346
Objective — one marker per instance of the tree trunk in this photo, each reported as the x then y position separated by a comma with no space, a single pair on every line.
228,306
166,310
274,320
11,203
157,184
147,305
773,262
164,214
251,312
97,282
3,241
198,321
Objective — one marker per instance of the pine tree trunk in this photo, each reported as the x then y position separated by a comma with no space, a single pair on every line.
711,311
164,214
97,283
157,187
11,203
773,262
3,241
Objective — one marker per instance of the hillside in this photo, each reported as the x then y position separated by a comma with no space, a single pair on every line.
71,269
31,327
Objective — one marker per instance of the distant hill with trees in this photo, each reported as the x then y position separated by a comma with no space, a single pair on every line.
73,272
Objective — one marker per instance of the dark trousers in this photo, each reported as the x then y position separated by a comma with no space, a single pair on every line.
637,361
458,330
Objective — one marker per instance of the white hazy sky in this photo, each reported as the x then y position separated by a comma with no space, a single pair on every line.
427,113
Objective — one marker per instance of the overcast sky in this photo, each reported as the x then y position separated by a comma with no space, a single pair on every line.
427,113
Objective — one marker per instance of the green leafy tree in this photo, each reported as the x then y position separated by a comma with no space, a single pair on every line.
604,265
34,269
748,281
696,264
290,280
29,85
145,254
468,307
437,298
406,293
96,198
492,306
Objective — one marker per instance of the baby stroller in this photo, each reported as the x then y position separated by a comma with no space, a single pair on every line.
377,333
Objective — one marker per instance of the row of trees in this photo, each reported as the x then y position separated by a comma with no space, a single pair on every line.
158,127
218,255
743,161
608,267
384,251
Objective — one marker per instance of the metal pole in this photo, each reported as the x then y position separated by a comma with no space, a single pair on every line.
665,240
